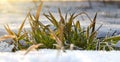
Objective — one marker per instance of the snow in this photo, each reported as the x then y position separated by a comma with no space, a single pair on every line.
5,47
49,55
118,44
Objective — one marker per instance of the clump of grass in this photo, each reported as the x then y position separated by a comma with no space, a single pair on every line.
16,36
66,34
72,33
39,32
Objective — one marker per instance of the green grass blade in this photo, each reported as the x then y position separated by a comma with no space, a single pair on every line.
69,24
54,21
94,22
66,16
78,25
113,38
22,36
87,32
60,14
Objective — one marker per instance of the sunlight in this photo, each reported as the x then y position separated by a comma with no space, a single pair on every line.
5,4
4,1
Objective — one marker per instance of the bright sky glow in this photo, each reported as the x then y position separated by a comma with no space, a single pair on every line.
2,1
35,0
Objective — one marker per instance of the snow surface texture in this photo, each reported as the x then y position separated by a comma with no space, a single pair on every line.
47,55
5,47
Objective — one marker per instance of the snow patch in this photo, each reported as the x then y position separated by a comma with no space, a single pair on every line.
5,47
49,55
